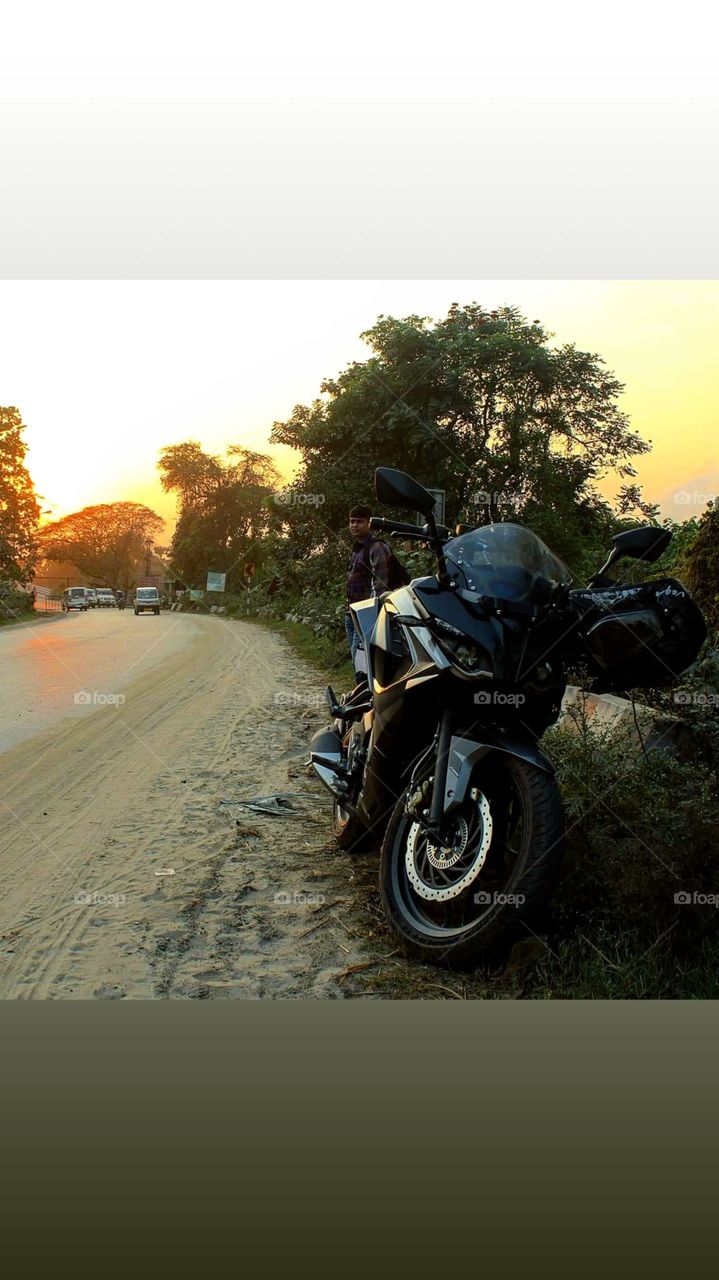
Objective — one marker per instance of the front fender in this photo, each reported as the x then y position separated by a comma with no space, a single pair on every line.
465,753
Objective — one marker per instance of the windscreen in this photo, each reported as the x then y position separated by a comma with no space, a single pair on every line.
505,561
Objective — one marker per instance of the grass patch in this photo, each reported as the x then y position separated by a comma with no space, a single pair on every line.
603,964
12,619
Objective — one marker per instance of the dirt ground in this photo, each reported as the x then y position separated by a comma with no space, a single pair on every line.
127,868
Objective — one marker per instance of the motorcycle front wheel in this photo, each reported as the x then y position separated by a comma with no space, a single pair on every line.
463,898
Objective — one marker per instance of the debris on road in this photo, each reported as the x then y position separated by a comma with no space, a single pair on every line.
278,805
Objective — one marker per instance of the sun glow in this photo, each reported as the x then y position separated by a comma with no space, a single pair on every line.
106,373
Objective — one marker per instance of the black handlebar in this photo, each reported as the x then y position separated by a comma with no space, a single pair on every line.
395,526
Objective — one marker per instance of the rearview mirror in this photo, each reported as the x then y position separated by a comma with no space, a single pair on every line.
397,489
645,543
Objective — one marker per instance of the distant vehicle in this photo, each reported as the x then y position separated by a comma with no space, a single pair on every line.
91,594
74,598
147,598
105,598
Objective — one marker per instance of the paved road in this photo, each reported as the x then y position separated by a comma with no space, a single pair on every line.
68,665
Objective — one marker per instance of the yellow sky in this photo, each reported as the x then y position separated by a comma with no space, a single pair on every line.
106,373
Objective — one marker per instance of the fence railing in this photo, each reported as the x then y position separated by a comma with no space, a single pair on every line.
47,604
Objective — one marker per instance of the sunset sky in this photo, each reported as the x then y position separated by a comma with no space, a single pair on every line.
106,373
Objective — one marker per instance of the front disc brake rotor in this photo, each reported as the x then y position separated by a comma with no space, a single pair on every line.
455,864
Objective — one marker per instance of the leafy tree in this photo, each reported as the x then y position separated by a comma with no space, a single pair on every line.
108,542
480,405
698,565
226,508
189,472
684,535
19,509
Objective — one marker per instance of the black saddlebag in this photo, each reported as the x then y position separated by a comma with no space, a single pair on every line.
637,637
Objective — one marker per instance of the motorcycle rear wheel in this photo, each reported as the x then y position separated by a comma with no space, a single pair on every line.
468,911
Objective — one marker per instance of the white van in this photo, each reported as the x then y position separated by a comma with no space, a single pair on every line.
147,598
74,598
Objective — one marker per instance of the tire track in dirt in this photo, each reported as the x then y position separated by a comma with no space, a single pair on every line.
130,791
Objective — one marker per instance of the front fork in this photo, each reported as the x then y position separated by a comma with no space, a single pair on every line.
440,770
430,819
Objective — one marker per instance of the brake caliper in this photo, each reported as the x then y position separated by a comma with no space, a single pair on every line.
418,800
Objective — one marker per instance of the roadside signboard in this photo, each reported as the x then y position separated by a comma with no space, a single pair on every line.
215,581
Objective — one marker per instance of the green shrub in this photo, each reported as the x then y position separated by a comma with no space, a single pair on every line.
640,829
605,964
14,604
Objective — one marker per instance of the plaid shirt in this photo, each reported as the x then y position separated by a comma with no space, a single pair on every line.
367,569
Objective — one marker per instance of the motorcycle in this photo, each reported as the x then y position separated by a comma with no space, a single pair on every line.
436,757
121,602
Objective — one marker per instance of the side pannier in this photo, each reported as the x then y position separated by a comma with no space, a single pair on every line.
639,636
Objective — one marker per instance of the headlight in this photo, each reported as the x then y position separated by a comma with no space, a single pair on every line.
468,655
460,648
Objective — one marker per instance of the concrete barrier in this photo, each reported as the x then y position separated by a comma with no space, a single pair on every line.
657,730
601,708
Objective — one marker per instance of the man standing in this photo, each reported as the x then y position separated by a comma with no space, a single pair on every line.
367,574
